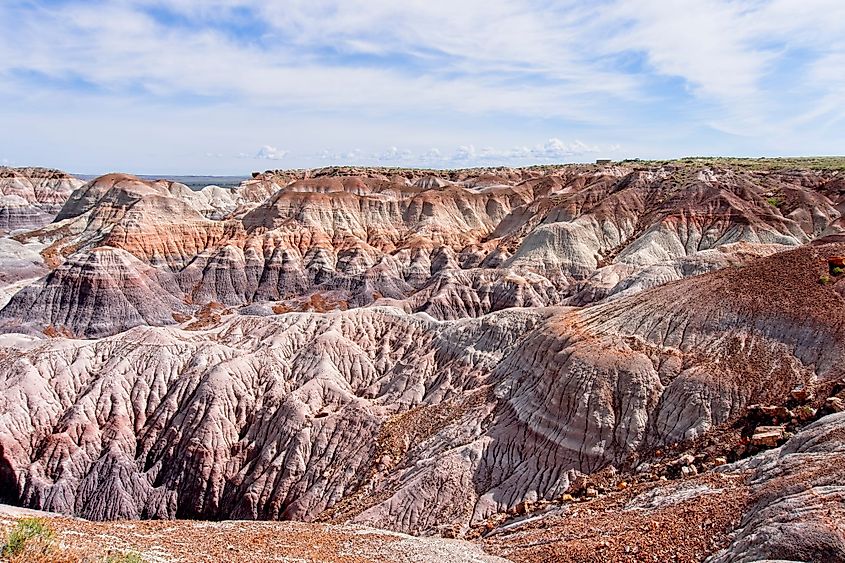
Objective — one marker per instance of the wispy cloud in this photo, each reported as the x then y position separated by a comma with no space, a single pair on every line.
553,150
270,153
699,76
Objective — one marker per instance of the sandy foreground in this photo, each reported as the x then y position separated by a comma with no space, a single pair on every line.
236,541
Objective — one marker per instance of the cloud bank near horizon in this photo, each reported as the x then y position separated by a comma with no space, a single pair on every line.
226,85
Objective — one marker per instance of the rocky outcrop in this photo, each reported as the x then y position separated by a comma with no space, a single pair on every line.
784,504
451,243
398,420
31,197
439,353
796,506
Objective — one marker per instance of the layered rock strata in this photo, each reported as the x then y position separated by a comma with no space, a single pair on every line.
431,352
451,245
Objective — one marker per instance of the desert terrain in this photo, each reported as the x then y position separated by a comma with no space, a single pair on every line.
632,361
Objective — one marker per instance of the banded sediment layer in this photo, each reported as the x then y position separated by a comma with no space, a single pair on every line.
461,353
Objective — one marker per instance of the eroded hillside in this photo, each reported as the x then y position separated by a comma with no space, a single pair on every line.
459,353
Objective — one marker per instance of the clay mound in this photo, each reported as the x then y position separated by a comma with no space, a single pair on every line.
17,213
401,421
158,222
348,184
385,219
212,202
20,265
31,197
95,293
428,182
454,293
120,192
784,505
38,185
461,243
671,364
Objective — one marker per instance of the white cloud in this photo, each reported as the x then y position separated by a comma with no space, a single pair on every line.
353,156
706,42
469,58
553,150
748,59
464,153
692,77
270,153
393,154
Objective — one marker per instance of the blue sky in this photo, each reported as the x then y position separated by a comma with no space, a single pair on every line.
230,86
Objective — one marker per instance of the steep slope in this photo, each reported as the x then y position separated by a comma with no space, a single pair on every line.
782,505
97,292
401,421
31,197
451,244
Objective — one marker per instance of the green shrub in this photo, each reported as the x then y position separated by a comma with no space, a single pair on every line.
837,270
824,279
26,530
774,201
127,557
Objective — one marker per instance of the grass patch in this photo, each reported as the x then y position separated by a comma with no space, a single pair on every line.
128,557
774,201
785,163
30,534
32,540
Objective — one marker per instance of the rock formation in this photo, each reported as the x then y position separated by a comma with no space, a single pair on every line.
31,197
437,353
449,244
783,505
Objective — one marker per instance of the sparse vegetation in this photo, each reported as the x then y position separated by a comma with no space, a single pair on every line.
32,535
774,201
32,540
824,279
837,270
127,557
764,163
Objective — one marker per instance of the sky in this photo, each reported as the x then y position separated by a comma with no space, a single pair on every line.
232,86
